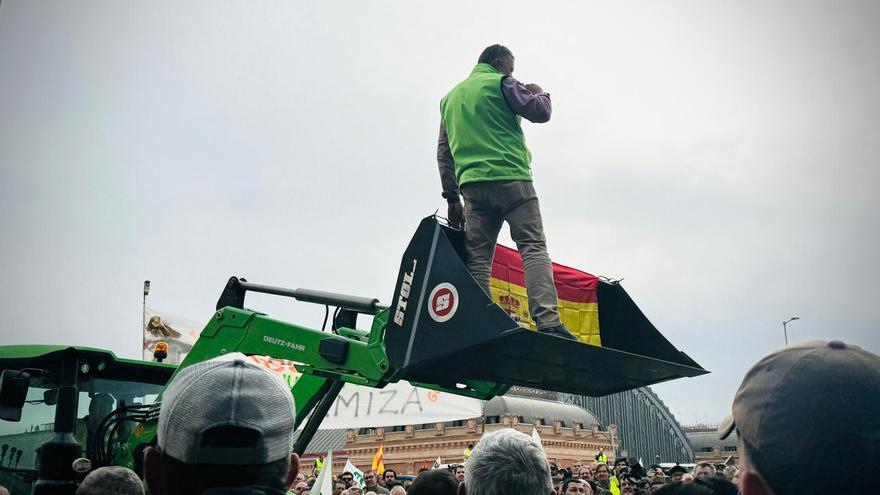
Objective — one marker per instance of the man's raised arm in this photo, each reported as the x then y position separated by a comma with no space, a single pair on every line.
446,165
528,101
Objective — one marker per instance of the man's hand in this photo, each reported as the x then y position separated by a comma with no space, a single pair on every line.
534,88
455,215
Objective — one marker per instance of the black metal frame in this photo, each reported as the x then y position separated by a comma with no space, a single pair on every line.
234,292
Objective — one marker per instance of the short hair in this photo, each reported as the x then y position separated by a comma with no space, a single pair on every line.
494,52
183,478
398,488
706,464
389,471
111,480
434,482
508,462
572,480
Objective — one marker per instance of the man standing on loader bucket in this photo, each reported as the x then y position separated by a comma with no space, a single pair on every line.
482,156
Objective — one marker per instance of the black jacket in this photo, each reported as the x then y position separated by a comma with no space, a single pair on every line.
243,490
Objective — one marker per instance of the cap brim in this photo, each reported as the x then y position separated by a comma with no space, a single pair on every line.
727,427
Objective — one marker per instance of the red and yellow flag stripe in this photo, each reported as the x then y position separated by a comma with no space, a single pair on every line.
577,291
379,461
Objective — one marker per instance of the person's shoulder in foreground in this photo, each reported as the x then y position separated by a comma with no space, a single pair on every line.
225,427
700,486
507,461
798,410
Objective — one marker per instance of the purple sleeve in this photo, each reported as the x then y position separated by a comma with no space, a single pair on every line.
447,168
534,107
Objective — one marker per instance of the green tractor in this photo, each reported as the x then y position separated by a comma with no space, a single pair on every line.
65,410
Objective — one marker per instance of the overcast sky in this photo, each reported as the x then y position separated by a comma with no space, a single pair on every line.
721,157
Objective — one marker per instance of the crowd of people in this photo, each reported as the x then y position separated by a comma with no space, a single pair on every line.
226,427
624,476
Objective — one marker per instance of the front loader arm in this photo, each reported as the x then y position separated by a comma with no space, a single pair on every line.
326,360
319,355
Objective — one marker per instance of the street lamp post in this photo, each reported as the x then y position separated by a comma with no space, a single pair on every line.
785,327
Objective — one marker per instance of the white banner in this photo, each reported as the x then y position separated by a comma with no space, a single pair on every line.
397,404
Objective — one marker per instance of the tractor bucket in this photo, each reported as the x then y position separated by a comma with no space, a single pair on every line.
444,329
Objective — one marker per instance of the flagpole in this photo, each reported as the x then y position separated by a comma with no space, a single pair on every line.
144,310
144,307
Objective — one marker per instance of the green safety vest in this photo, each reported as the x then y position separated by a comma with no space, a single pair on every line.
485,136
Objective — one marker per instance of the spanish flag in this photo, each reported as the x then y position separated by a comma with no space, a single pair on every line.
378,462
577,292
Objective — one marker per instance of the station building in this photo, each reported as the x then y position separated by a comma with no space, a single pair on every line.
709,448
573,429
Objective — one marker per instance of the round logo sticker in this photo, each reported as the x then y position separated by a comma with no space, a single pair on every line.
443,302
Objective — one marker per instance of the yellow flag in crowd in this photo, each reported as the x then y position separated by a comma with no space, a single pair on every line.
378,462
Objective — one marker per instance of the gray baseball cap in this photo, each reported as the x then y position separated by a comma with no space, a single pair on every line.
229,410
811,407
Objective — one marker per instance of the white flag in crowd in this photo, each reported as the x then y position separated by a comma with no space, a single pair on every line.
437,463
536,438
356,473
325,477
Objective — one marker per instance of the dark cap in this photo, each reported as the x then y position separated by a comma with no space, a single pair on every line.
804,406
676,469
630,474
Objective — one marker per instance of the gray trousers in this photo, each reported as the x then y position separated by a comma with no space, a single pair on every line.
486,206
